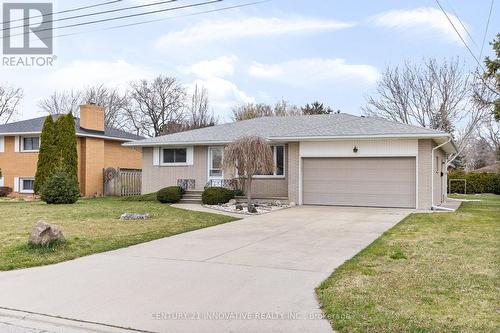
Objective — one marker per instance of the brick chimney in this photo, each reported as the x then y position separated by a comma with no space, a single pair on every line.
92,117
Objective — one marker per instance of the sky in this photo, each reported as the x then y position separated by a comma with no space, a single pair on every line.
300,50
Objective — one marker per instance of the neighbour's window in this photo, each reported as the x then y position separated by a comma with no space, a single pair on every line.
27,185
174,155
31,143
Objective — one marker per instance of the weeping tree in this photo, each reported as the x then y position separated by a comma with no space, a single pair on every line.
249,156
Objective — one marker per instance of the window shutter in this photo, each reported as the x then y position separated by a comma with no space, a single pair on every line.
16,184
189,155
2,149
16,144
156,156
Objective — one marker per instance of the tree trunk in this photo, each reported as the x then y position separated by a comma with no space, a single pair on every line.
249,191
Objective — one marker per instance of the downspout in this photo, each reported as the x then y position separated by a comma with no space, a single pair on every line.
432,174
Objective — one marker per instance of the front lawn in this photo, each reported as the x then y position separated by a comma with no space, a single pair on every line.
430,273
90,226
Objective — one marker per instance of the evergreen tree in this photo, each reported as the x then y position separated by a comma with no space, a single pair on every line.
66,144
47,156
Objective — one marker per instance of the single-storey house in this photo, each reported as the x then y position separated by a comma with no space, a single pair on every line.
98,147
334,159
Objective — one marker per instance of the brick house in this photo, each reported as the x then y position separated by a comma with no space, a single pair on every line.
98,147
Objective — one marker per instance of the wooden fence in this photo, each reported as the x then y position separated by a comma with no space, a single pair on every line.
122,182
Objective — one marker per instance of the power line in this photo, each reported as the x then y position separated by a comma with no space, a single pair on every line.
159,20
463,25
98,13
486,30
458,33
123,17
68,10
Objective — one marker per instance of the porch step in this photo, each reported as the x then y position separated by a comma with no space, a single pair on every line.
191,196
191,200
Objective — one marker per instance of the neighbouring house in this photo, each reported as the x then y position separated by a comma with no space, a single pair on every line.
98,147
335,159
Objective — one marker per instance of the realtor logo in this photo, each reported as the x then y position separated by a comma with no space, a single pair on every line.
27,28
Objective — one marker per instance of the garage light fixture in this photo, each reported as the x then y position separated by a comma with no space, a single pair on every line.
355,149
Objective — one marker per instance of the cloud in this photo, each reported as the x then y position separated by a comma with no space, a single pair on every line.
220,67
304,72
420,20
223,95
79,74
226,30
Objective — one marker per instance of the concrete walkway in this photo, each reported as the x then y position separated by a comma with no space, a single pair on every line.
253,275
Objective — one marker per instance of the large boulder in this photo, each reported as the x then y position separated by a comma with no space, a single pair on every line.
44,234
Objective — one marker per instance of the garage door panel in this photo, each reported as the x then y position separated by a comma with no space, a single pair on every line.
380,182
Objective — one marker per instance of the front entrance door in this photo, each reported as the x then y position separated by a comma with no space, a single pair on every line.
215,156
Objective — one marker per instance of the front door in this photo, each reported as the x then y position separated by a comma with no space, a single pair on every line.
215,156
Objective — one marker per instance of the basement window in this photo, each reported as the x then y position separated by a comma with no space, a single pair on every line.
26,185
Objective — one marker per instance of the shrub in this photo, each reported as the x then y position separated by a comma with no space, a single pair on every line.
238,193
60,188
216,195
5,191
476,182
170,194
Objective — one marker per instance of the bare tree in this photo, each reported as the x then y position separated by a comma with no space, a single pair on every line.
198,112
154,104
9,102
114,103
431,94
249,156
62,103
252,110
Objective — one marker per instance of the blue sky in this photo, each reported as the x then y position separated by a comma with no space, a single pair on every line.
331,51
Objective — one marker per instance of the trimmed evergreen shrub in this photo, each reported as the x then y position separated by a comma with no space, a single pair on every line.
171,194
47,156
477,182
216,195
5,191
60,188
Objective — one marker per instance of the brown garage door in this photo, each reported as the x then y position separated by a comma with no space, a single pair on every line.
370,181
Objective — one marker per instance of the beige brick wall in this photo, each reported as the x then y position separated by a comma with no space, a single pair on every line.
92,157
14,164
293,172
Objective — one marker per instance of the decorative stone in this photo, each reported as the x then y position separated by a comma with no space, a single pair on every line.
252,209
292,204
44,234
239,207
128,216
232,202
278,203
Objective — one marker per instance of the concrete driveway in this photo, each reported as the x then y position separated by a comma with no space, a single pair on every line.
253,275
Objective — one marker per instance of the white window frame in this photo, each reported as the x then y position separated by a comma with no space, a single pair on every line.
21,182
209,162
189,156
275,156
21,144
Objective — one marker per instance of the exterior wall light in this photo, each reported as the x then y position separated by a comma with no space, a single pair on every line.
355,149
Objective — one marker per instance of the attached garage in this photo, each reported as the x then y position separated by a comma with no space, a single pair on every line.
359,181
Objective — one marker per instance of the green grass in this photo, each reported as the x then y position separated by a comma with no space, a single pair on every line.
144,197
430,273
90,226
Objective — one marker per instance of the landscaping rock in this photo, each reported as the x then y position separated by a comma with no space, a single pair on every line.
231,202
239,207
291,204
252,209
44,234
278,203
127,216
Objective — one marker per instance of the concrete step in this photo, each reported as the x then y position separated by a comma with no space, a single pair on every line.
190,200
191,195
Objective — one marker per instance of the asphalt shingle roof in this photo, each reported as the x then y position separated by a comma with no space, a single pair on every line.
331,125
35,125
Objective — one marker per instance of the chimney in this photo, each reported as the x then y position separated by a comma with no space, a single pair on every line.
92,117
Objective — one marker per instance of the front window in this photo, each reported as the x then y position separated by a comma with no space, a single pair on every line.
174,155
31,143
27,185
279,161
216,158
